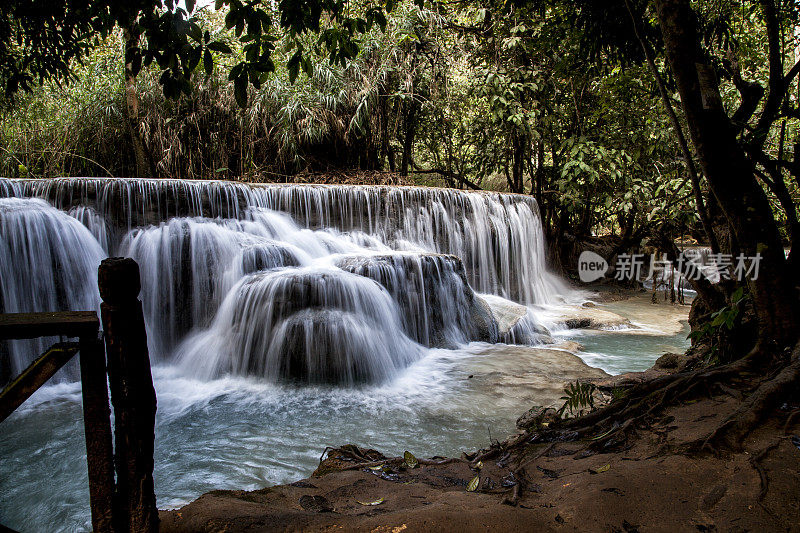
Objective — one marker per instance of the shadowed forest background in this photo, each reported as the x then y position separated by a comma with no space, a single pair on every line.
523,99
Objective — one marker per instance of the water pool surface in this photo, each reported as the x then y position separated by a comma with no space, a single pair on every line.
241,433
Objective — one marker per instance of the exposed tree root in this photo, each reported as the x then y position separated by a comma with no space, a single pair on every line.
789,420
755,461
611,426
361,458
513,499
755,407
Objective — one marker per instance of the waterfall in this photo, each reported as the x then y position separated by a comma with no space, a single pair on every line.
436,302
312,324
497,236
188,265
308,283
94,223
48,262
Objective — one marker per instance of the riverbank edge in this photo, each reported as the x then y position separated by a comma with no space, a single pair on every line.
649,485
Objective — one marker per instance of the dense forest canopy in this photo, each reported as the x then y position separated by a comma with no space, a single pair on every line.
583,105
493,96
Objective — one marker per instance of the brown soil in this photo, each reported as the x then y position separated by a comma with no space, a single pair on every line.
647,487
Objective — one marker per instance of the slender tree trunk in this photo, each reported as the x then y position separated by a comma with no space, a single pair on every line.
730,174
408,144
384,116
408,138
516,181
145,167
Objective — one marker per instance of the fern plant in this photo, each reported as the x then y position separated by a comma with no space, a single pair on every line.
578,397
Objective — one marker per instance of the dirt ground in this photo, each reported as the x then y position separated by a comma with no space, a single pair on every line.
649,486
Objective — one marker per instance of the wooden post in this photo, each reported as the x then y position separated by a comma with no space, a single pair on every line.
132,395
97,431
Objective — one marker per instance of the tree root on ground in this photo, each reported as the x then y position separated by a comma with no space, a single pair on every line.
752,411
360,458
789,420
755,461
614,423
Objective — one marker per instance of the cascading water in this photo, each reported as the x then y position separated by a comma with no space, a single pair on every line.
383,270
497,236
48,262
437,306
309,324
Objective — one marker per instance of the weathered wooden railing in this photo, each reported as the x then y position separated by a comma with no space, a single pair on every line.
127,504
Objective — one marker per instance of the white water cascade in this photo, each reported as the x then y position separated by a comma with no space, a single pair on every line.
341,284
48,262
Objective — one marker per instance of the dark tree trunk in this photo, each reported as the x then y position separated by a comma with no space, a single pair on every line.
730,173
516,182
145,168
408,138
384,117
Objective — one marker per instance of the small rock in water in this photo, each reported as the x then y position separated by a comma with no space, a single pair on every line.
578,323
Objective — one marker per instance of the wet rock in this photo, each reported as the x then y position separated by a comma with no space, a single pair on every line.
483,319
570,346
437,305
536,416
669,361
593,318
578,323
506,312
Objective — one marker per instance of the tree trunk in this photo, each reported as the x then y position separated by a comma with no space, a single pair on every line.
730,173
408,139
384,117
516,184
145,167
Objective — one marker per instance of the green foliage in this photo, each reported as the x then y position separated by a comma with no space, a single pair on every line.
579,397
331,119
721,322
618,393
495,95
723,318
172,38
